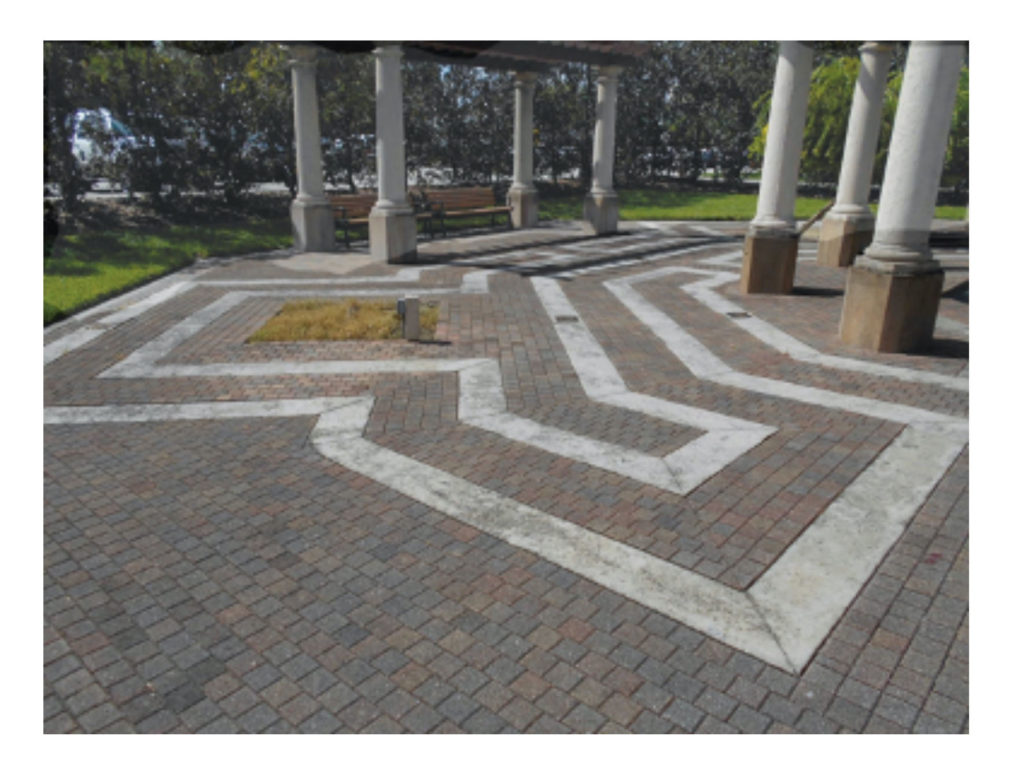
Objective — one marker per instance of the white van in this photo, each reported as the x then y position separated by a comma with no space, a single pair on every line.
98,139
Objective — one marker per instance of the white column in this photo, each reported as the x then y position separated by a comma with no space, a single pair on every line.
601,208
769,250
917,152
847,228
522,195
522,144
862,130
392,223
776,198
893,290
312,223
604,130
390,134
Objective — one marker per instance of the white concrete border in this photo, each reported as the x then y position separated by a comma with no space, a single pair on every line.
704,364
725,614
135,303
782,618
726,439
804,593
481,394
787,612
703,292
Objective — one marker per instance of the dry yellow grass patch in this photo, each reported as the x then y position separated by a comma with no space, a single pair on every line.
310,320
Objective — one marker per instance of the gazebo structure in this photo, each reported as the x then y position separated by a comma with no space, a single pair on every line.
392,223
892,290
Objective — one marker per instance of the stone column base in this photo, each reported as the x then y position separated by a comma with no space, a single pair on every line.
843,237
393,234
600,213
312,225
769,263
524,207
889,312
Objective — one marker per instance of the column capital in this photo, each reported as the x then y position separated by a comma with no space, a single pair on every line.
302,55
525,79
876,47
608,72
388,50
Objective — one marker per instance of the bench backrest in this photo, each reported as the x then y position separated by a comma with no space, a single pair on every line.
353,206
462,197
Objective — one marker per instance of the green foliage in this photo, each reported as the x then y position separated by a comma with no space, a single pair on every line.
831,95
347,118
563,120
687,99
64,66
86,267
643,203
957,167
216,116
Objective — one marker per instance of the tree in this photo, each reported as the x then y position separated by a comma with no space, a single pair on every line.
347,116
642,148
492,120
828,110
63,73
687,99
957,168
264,90
422,93
563,118
143,85
831,94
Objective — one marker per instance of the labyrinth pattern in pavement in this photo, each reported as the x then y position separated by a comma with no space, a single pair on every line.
612,451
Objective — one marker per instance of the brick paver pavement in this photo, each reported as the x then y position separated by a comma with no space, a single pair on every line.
223,575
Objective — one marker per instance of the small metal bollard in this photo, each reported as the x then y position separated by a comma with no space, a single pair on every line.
409,312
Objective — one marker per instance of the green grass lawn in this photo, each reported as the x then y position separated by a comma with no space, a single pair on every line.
86,267
89,266
637,204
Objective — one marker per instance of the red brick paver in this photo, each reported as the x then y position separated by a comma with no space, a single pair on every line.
224,576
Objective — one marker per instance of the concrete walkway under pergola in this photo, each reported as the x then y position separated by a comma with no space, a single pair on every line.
392,225
893,287
892,290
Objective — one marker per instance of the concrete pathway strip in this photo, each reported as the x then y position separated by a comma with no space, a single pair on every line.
787,612
807,590
704,364
719,611
133,309
727,438
703,291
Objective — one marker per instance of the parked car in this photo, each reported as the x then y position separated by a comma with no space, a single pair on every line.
99,140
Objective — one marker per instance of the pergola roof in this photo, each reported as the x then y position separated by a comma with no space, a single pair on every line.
527,55
519,55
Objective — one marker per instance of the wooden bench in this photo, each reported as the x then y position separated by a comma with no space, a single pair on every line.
354,211
463,202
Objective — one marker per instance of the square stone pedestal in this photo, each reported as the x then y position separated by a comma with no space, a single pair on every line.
312,225
393,234
769,263
842,238
525,207
600,213
890,312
